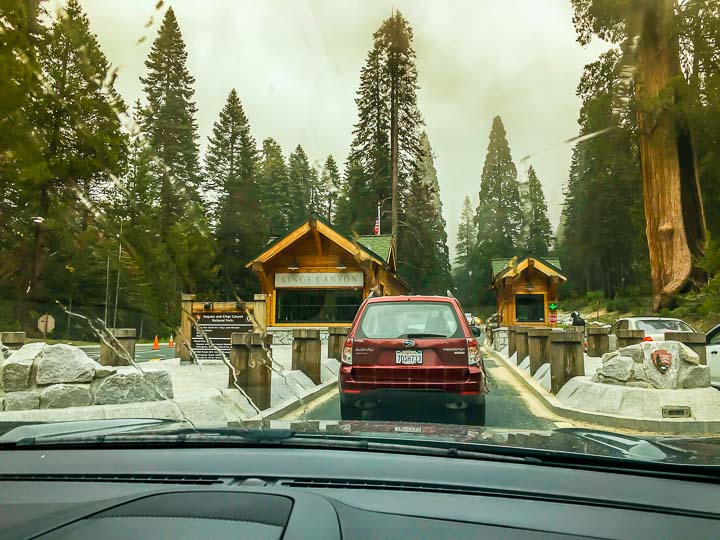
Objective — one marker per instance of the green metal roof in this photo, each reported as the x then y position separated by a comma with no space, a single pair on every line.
379,244
498,265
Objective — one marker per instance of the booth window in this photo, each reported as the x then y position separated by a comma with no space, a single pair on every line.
530,308
317,305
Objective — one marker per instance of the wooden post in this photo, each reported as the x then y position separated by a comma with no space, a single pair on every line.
117,351
336,340
521,343
566,358
629,337
248,354
239,357
12,340
306,353
511,341
694,340
598,340
183,344
538,347
260,313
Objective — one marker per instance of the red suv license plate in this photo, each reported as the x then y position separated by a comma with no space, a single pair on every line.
409,358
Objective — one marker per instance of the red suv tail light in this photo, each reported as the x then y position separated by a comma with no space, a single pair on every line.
474,355
347,352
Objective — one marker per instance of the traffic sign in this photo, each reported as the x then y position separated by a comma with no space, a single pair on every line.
552,306
552,319
46,323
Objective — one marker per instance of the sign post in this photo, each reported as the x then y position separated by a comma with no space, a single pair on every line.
46,323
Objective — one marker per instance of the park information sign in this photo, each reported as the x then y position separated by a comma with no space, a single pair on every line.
217,326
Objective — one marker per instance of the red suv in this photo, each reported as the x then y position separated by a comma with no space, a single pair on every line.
414,348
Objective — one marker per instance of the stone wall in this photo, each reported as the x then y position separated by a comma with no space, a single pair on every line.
499,338
284,336
41,376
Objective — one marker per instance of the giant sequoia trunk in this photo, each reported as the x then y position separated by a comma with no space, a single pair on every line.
673,207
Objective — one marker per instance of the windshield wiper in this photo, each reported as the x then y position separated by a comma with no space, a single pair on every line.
179,436
418,336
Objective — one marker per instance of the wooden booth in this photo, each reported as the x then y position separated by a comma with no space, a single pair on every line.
316,276
526,290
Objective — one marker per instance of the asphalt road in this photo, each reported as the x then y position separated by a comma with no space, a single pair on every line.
143,352
505,407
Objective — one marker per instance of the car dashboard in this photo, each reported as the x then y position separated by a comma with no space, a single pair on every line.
273,493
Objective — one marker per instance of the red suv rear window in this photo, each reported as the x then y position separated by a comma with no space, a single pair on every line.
388,320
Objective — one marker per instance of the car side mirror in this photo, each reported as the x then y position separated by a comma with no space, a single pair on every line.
476,331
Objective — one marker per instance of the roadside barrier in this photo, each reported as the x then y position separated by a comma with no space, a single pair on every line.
12,340
336,340
538,347
566,358
521,343
306,353
629,337
511,341
598,340
116,351
694,340
252,366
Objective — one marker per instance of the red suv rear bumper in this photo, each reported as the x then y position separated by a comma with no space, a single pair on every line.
468,389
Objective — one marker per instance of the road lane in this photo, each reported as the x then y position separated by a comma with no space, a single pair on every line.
143,352
505,407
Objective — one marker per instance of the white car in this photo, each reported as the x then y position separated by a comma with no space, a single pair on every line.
654,327
712,347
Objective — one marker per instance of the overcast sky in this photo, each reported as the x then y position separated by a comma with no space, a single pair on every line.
296,67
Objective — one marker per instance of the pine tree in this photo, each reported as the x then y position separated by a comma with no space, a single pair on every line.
424,239
169,123
331,184
466,235
22,164
604,245
539,231
169,119
466,238
302,182
84,148
499,217
370,149
275,189
388,82
356,204
230,174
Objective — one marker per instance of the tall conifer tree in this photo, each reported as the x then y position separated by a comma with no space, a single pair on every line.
230,173
274,185
539,231
169,119
499,218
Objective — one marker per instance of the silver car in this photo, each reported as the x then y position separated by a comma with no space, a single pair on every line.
712,347
654,327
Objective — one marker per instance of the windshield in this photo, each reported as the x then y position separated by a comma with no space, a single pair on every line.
650,325
407,319
376,219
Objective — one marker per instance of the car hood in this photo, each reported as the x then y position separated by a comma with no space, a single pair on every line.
669,449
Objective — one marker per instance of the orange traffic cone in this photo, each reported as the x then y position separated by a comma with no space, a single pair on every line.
171,343
156,344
